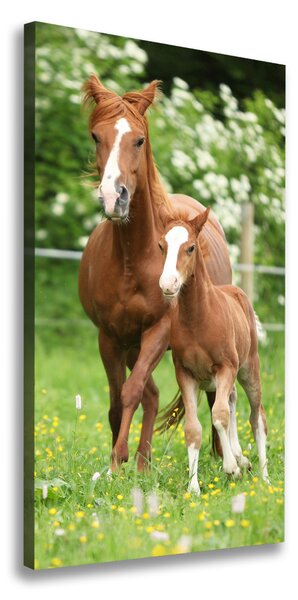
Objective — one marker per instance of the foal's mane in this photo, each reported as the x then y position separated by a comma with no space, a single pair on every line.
132,105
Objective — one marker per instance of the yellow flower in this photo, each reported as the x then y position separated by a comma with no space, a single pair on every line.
52,511
252,493
229,523
146,515
95,524
92,450
244,523
121,509
202,516
100,536
232,484
255,479
113,507
120,497
56,562
55,488
208,525
186,496
83,539
149,529
158,550
216,479
71,527
167,514
192,505
82,417
79,514
216,522
210,485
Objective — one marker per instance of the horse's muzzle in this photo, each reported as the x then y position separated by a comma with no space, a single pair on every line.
116,204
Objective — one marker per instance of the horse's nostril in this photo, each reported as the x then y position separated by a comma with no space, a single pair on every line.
123,195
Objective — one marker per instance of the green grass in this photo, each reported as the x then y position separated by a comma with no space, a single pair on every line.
81,521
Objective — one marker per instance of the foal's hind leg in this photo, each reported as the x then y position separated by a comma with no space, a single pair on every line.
215,441
249,378
233,432
150,407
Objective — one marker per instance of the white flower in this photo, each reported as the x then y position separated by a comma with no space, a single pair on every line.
137,500
132,50
162,536
95,476
62,197
153,504
58,209
78,402
238,503
41,234
45,491
59,532
180,83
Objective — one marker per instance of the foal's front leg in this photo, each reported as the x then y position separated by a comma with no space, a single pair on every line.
192,429
221,418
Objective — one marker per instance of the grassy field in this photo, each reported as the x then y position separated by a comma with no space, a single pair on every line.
81,519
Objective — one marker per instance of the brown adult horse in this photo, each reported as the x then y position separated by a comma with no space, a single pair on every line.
213,340
121,265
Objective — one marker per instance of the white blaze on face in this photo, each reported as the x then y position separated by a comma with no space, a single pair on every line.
107,188
170,280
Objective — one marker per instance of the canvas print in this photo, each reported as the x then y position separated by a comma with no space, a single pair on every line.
154,299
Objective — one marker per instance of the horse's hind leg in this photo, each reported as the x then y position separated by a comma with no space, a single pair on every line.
215,441
233,432
221,418
150,407
249,378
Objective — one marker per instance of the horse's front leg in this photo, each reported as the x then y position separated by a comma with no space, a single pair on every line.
221,418
154,343
150,407
193,429
114,360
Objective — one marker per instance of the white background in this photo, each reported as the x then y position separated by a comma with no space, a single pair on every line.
265,30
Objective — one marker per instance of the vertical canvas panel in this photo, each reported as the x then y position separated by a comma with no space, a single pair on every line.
216,135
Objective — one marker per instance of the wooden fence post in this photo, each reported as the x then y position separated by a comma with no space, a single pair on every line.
247,247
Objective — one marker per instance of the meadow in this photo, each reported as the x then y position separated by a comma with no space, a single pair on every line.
84,516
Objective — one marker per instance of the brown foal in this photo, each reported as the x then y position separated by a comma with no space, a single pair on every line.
214,340
121,264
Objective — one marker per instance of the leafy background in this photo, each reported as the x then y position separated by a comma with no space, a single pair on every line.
222,144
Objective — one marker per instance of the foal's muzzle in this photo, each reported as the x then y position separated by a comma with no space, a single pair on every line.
115,204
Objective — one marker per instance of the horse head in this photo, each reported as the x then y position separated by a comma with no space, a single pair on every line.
179,246
119,128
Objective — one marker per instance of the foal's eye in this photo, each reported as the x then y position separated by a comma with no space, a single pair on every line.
190,249
160,246
139,142
95,137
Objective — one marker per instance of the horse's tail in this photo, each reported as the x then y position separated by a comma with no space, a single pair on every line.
261,332
171,414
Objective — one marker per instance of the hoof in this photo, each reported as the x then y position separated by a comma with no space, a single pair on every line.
233,470
194,489
244,463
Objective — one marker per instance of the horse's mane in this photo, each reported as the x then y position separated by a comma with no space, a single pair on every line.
110,106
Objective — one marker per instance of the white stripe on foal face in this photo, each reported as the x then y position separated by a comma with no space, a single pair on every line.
107,188
170,280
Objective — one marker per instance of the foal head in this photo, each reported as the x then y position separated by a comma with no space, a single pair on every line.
120,131
179,246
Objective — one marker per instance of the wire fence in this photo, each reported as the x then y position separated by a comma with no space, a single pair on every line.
76,255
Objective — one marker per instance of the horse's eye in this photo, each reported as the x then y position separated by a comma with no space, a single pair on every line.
95,137
139,142
190,249
160,246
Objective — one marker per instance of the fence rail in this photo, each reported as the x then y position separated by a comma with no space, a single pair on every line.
76,255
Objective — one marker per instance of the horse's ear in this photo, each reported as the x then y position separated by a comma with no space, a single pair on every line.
199,221
143,98
164,215
93,89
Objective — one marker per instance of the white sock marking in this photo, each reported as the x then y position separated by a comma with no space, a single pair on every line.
193,459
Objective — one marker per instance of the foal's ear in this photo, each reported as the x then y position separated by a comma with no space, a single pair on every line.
199,221
143,98
94,90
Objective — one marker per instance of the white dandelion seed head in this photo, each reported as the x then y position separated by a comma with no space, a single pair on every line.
78,402
238,503
137,500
